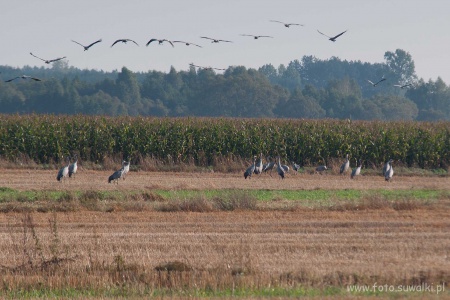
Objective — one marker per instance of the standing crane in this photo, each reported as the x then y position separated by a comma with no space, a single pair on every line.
387,166
63,172
248,173
356,171
126,168
269,166
280,169
322,168
259,165
73,167
389,171
345,165
116,176
295,167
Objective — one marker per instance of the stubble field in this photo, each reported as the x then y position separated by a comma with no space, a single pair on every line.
302,250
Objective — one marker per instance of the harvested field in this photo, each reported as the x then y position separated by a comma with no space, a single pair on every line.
97,180
247,253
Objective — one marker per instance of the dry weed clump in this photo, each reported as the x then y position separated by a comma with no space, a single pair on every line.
200,204
376,202
235,200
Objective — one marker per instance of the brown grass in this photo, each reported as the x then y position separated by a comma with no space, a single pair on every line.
137,180
222,243
308,248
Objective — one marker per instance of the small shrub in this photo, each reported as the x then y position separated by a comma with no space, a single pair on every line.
235,200
188,205
175,266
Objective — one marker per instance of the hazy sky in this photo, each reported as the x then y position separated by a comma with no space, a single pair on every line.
46,28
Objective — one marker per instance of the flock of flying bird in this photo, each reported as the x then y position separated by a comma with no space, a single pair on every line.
172,43
258,167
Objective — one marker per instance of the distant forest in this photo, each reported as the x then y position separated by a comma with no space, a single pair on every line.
308,88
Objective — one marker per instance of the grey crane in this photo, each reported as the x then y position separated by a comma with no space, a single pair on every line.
321,168
280,169
160,42
386,166
258,36
215,40
259,165
63,172
295,167
389,171
187,43
269,166
376,83
403,86
356,171
116,176
126,168
345,165
285,168
124,41
332,38
88,46
250,170
49,60
73,167
23,77
287,25
206,68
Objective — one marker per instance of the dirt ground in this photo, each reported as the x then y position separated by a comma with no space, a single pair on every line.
308,247
21,179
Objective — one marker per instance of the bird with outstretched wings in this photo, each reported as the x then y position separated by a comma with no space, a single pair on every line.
332,38
48,61
88,46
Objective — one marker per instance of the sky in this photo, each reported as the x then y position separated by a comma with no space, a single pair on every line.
46,28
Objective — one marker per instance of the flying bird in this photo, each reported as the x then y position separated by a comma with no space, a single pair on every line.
48,61
24,77
206,68
124,41
287,24
257,36
332,38
215,40
403,86
159,41
376,83
88,46
187,43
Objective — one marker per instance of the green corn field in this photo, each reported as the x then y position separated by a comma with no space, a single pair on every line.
49,138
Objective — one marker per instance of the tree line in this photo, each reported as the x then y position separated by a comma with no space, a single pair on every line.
308,88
